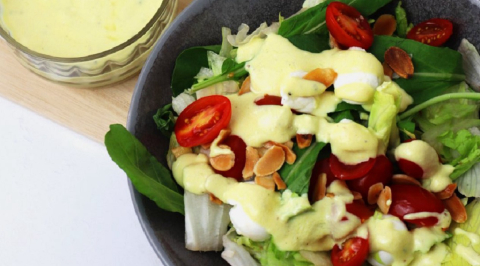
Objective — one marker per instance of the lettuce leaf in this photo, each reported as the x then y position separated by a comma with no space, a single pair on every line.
460,149
268,254
382,115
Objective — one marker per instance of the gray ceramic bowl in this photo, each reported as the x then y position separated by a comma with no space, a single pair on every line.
200,24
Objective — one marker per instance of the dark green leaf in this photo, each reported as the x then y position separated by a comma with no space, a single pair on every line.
228,65
236,72
297,175
313,19
338,116
347,106
314,43
148,176
165,120
187,65
436,68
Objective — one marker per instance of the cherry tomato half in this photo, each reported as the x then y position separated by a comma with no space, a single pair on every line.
434,32
353,253
202,120
408,199
348,26
360,210
410,168
321,166
381,172
348,172
269,100
239,148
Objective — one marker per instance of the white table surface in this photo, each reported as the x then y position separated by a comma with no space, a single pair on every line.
62,200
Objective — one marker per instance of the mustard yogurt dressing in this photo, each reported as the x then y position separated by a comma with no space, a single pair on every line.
75,28
273,64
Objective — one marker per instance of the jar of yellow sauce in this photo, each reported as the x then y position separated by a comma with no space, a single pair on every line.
84,42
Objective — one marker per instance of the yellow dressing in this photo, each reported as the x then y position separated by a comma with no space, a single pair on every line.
274,64
75,28
468,252
432,258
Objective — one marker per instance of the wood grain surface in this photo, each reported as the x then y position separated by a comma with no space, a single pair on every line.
87,111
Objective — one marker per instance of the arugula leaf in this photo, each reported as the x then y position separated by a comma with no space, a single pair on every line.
347,106
188,64
148,176
312,20
314,43
297,175
433,74
339,116
165,120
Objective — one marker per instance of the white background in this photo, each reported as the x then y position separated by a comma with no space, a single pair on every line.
62,200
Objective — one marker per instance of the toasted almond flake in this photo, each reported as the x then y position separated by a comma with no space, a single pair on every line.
447,192
356,195
385,25
290,156
215,199
330,195
262,150
223,162
252,157
374,192
385,200
304,140
333,43
266,182
326,76
387,70
456,208
405,179
320,188
289,144
279,181
224,133
245,86
270,162
179,151
399,61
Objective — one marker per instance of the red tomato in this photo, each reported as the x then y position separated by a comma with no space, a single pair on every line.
381,172
410,168
269,100
239,148
347,26
359,209
202,120
321,166
347,172
353,253
434,32
408,199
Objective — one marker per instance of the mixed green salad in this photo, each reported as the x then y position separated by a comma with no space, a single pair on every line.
326,138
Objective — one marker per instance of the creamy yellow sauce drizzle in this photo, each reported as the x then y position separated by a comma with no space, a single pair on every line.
436,177
468,253
434,257
75,28
351,142
273,62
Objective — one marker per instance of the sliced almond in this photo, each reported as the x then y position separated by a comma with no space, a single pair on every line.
357,195
330,195
333,43
270,162
405,179
266,182
456,208
385,200
399,61
223,162
279,181
320,188
374,192
245,86
215,199
387,70
179,151
447,192
289,144
326,76
252,157
386,24
304,140
224,133
290,156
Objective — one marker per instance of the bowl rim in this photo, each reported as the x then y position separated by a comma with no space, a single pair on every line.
192,9
4,34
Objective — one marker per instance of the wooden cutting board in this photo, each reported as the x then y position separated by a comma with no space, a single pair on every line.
87,111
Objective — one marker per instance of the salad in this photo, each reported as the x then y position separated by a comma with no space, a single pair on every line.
326,138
